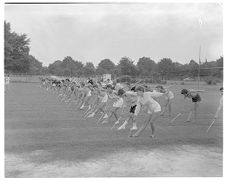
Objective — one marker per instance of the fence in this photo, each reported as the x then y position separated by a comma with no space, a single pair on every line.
24,78
27,78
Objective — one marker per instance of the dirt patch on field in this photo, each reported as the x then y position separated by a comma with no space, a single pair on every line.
184,160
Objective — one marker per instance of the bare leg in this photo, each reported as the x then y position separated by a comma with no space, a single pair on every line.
100,118
195,111
169,109
102,111
143,126
134,127
189,117
116,116
123,126
107,120
154,118
133,122
113,112
117,122
163,110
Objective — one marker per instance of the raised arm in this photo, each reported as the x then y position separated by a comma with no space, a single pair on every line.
131,93
156,94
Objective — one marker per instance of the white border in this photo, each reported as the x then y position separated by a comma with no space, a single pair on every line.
2,169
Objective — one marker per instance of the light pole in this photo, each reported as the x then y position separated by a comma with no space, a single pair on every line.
200,33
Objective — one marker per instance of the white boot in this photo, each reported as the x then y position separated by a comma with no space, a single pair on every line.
105,116
134,127
82,107
91,115
123,126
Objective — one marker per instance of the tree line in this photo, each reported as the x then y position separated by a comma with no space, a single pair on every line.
19,60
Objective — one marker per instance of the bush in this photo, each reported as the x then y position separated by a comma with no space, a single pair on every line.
142,81
151,81
130,80
163,82
124,79
148,81
211,81
133,81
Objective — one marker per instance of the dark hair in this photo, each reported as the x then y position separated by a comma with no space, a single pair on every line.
196,98
140,88
133,89
109,86
91,81
82,84
121,92
184,91
95,86
159,87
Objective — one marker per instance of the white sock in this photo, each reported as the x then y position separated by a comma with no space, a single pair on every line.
105,116
134,126
123,126
91,115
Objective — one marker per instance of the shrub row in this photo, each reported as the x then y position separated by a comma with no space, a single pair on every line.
146,81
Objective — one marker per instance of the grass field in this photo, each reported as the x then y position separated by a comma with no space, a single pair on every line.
48,138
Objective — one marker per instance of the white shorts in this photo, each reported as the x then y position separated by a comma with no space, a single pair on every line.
156,109
89,94
105,99
169,96
118,103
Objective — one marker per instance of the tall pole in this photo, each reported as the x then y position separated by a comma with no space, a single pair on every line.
199,67
200,29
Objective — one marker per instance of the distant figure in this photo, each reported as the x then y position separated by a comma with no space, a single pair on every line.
220,104
7,79
218,110
168,99
196,98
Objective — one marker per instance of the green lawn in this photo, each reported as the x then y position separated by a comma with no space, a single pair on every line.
48,138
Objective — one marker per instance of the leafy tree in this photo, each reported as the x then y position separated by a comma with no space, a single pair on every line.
89,69
106,66
67,67
165,67
220,63
146,66
77,68
55,68
193,68
35,65
126,67
16,51
44,71
178,70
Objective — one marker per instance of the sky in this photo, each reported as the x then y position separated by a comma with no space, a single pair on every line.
93,32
